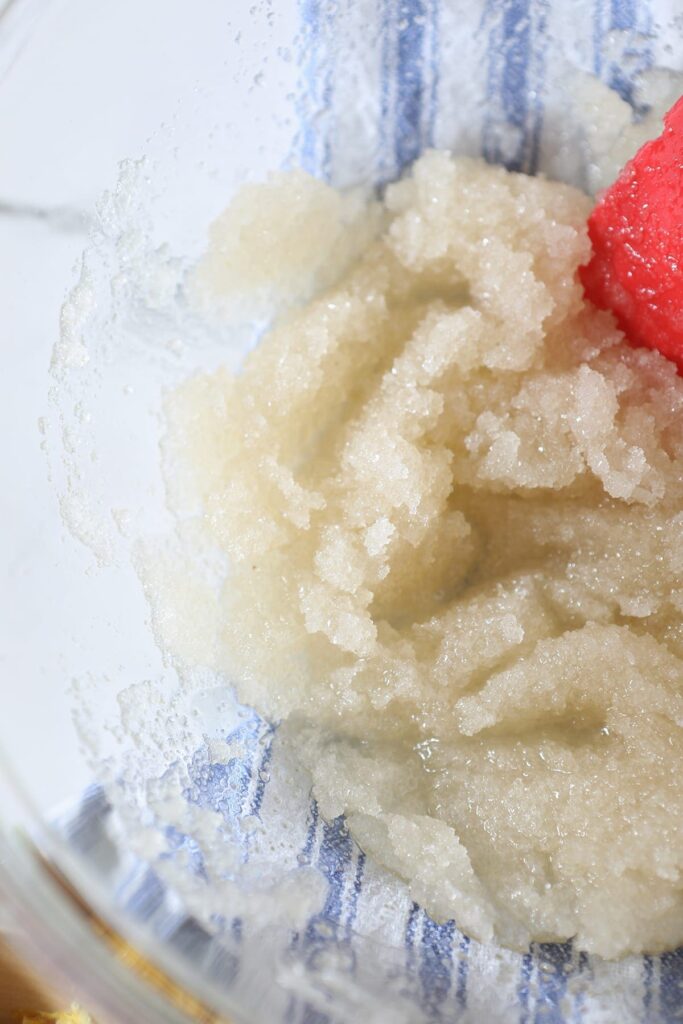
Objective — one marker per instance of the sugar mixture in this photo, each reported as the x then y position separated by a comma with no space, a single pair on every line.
448,498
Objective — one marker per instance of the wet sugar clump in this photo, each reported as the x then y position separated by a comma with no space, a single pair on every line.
450,498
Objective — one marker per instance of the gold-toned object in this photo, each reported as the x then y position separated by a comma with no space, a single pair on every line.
21,991
153,975
75,1015
157,978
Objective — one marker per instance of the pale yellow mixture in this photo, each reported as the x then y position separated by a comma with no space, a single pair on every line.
450,497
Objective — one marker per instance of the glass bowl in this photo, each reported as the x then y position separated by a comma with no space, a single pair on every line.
126,128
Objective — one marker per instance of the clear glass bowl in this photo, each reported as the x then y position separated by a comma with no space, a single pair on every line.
194,102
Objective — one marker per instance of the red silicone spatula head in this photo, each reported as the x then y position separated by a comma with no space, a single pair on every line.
637,233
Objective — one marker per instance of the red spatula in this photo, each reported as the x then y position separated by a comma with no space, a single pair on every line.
637,233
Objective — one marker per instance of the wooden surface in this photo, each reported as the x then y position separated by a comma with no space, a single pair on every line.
20,992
